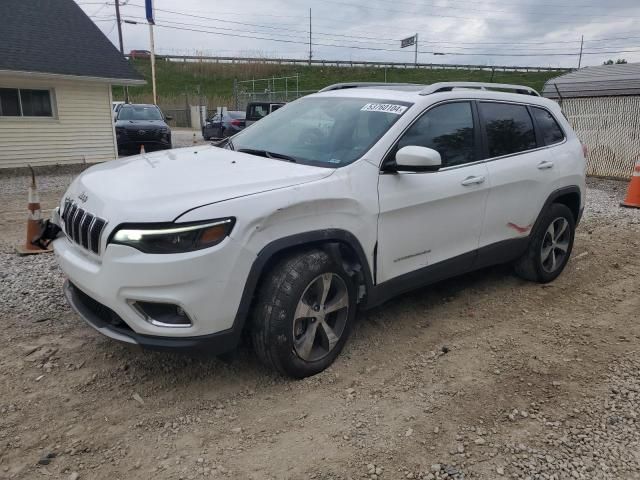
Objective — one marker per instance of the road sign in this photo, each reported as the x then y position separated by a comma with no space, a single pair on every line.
148,5
407,42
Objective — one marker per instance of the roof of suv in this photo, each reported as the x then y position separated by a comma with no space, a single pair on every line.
140,105
415,93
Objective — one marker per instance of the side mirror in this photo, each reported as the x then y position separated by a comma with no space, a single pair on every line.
417,159
168,118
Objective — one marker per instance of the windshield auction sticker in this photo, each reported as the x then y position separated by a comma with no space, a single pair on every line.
385,108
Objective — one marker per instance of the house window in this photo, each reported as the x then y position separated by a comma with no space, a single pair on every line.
22,102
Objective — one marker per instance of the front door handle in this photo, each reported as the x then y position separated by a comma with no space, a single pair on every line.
545,165
473,181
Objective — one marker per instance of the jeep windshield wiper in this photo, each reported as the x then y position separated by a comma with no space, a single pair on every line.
224,143
267,154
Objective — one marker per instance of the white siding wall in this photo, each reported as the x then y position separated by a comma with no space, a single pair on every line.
81,130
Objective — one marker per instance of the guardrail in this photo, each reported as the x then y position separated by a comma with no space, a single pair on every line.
355,63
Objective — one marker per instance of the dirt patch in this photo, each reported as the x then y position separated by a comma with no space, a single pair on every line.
482,376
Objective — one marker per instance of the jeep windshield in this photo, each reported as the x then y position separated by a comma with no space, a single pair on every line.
322,131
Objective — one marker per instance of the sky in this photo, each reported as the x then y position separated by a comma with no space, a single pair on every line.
545,33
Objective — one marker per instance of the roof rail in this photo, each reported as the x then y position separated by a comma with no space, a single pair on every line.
449,86
343,86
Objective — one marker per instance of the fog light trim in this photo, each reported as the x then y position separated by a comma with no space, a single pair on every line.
159,319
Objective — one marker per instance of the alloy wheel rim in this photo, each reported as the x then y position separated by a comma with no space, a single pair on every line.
320,317
555,245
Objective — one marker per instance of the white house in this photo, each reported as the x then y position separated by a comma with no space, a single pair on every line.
56,74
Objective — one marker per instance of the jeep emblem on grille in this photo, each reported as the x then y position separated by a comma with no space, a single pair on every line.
83,197
142,132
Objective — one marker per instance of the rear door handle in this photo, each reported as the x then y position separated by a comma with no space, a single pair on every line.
545,165
473,181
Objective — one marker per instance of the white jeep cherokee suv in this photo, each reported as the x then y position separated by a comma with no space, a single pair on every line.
335,202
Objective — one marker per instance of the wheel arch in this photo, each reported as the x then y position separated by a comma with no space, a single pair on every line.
572,200
341,244
569,196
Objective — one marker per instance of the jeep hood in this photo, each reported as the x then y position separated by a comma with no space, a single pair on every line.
160,186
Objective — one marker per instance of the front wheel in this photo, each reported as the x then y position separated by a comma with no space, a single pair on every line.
550,246
303,314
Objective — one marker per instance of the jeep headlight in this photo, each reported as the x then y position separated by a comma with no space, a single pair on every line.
175,237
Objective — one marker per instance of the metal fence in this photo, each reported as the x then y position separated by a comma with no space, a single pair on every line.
271,89
181,116
610,127
355,63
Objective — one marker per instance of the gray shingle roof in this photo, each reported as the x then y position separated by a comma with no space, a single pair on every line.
600,81
56,36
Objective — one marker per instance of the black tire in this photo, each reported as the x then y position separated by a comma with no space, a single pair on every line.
279,297
531,265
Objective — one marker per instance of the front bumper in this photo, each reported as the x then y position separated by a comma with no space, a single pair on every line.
149,145
127,141
206,284
107,322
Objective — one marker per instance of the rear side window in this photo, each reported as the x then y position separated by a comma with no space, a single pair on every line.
509,128
550,131
257,111
448,129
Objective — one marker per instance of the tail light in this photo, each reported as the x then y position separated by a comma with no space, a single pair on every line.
237,123
585,150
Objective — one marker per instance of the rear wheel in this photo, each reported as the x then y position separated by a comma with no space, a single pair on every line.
303,314
550,246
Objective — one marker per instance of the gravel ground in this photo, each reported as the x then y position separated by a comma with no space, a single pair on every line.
183,137
480,377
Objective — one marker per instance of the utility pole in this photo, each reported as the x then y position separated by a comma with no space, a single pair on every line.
119,26
310,47
580,58
153,63
148,6
416,58
119,22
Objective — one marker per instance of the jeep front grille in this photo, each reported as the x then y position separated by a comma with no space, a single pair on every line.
82,227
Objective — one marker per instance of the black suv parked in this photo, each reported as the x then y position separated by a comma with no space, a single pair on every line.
138,125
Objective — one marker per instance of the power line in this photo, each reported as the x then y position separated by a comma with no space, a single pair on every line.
276,36
378,39
489,54
298,37
111,30
306,32
375,39
104,4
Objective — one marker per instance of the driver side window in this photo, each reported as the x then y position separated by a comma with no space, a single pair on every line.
448,129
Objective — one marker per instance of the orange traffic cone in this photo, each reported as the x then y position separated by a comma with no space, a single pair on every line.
632,199
33,220
142,152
